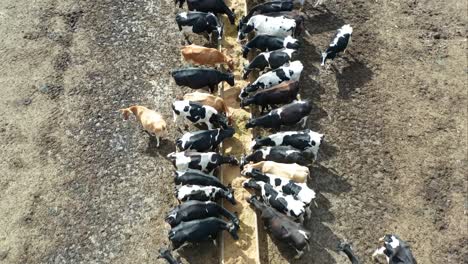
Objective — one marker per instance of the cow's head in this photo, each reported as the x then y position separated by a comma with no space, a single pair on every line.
215,24
245,51
229,195
232,228
230,78
291,43
171,217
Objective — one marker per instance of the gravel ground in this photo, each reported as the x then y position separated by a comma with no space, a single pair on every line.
79,185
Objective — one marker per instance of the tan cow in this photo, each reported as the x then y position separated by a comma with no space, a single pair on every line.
210,100
151,121
206,56
293,171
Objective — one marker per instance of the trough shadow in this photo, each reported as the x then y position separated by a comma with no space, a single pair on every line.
354,75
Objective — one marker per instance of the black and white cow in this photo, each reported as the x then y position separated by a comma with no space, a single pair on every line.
348,250
291,72
191,210
280,154
283,93
296,15
287,115
265,25
204,193
269,43
199,23
198,113
281,227
306,139
395,250
271,60
167,255
201,78
299,191
194,177
205,162
284,203
200,230
268,7
203,140
339,43
214,6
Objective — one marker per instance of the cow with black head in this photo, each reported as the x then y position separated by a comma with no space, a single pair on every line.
201,78
395,250
199,23
206,162
269,43
282,228
204,193
284,203
214,6
200,230
192,210
287,115
198,113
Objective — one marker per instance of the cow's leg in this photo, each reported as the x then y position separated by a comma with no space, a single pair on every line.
209,125
378,252
157,141
304,121
299,254
212,88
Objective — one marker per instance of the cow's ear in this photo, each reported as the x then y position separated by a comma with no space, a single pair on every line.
284,232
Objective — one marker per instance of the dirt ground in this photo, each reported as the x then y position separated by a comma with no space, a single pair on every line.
79,185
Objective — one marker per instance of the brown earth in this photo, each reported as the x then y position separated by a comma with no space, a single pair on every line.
79,185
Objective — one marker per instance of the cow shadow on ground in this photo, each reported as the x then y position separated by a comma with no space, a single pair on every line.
354,75
322,20
166,146
327,151
198,252
327,180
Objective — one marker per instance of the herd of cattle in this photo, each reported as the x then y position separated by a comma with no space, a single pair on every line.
277,166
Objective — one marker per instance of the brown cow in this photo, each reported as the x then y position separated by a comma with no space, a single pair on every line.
293,171
210,100
206,56
151,121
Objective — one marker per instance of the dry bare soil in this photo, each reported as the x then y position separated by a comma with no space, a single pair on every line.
79,185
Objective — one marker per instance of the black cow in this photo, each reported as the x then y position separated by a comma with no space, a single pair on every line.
214,6
269,43
339,43
306,139
272,60
348,250
203,140
281,154
201,78
287,115
268,7
199,23
281,227
194,177
200,230
205,162
395,250
192,210
167,255
283,93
